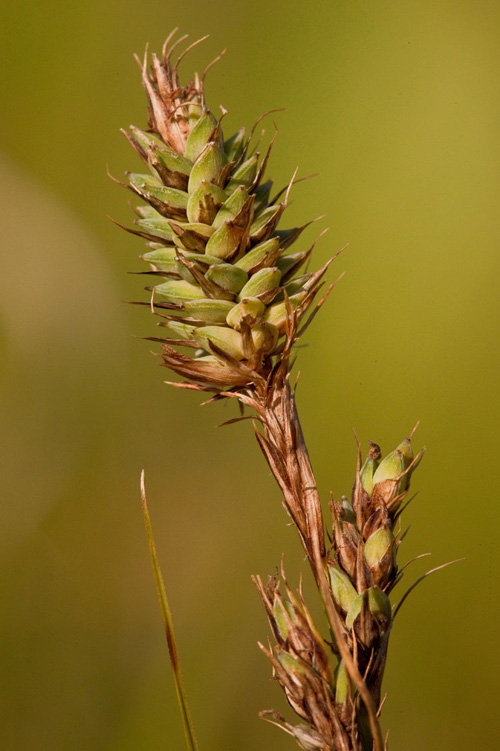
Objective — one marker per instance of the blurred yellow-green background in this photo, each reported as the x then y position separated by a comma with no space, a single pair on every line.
396,106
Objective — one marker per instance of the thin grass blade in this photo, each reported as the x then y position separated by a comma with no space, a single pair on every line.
169,627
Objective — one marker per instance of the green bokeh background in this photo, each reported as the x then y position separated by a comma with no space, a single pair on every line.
396,105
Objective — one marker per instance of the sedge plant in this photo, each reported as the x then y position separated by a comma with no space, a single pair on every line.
232,295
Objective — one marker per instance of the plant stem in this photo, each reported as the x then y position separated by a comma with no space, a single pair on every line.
169,628
286,452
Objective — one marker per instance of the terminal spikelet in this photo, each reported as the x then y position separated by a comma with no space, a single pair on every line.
226,285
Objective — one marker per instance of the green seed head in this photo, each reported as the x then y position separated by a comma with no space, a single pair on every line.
213,232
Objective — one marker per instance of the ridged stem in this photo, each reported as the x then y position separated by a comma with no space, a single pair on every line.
286,452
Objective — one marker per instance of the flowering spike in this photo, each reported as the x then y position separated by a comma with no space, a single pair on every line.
205,197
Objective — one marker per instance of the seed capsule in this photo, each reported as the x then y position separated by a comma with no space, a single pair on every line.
264,254
191,235
295,285
158,227
342,587
207,310
179,291
142,182
250,310
354,611
379,604
348,512
263,225
181,330
176,199
203,203
394,463
167,156
200,135
290,664
228,340
289,262
245,174
148,212
263,281
227,276
145,140
262,193
231,206
277,313
207,166
166,259
341,683
172,161
265,337
369,468
282,609
377,546
225,241
407,451
233,146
